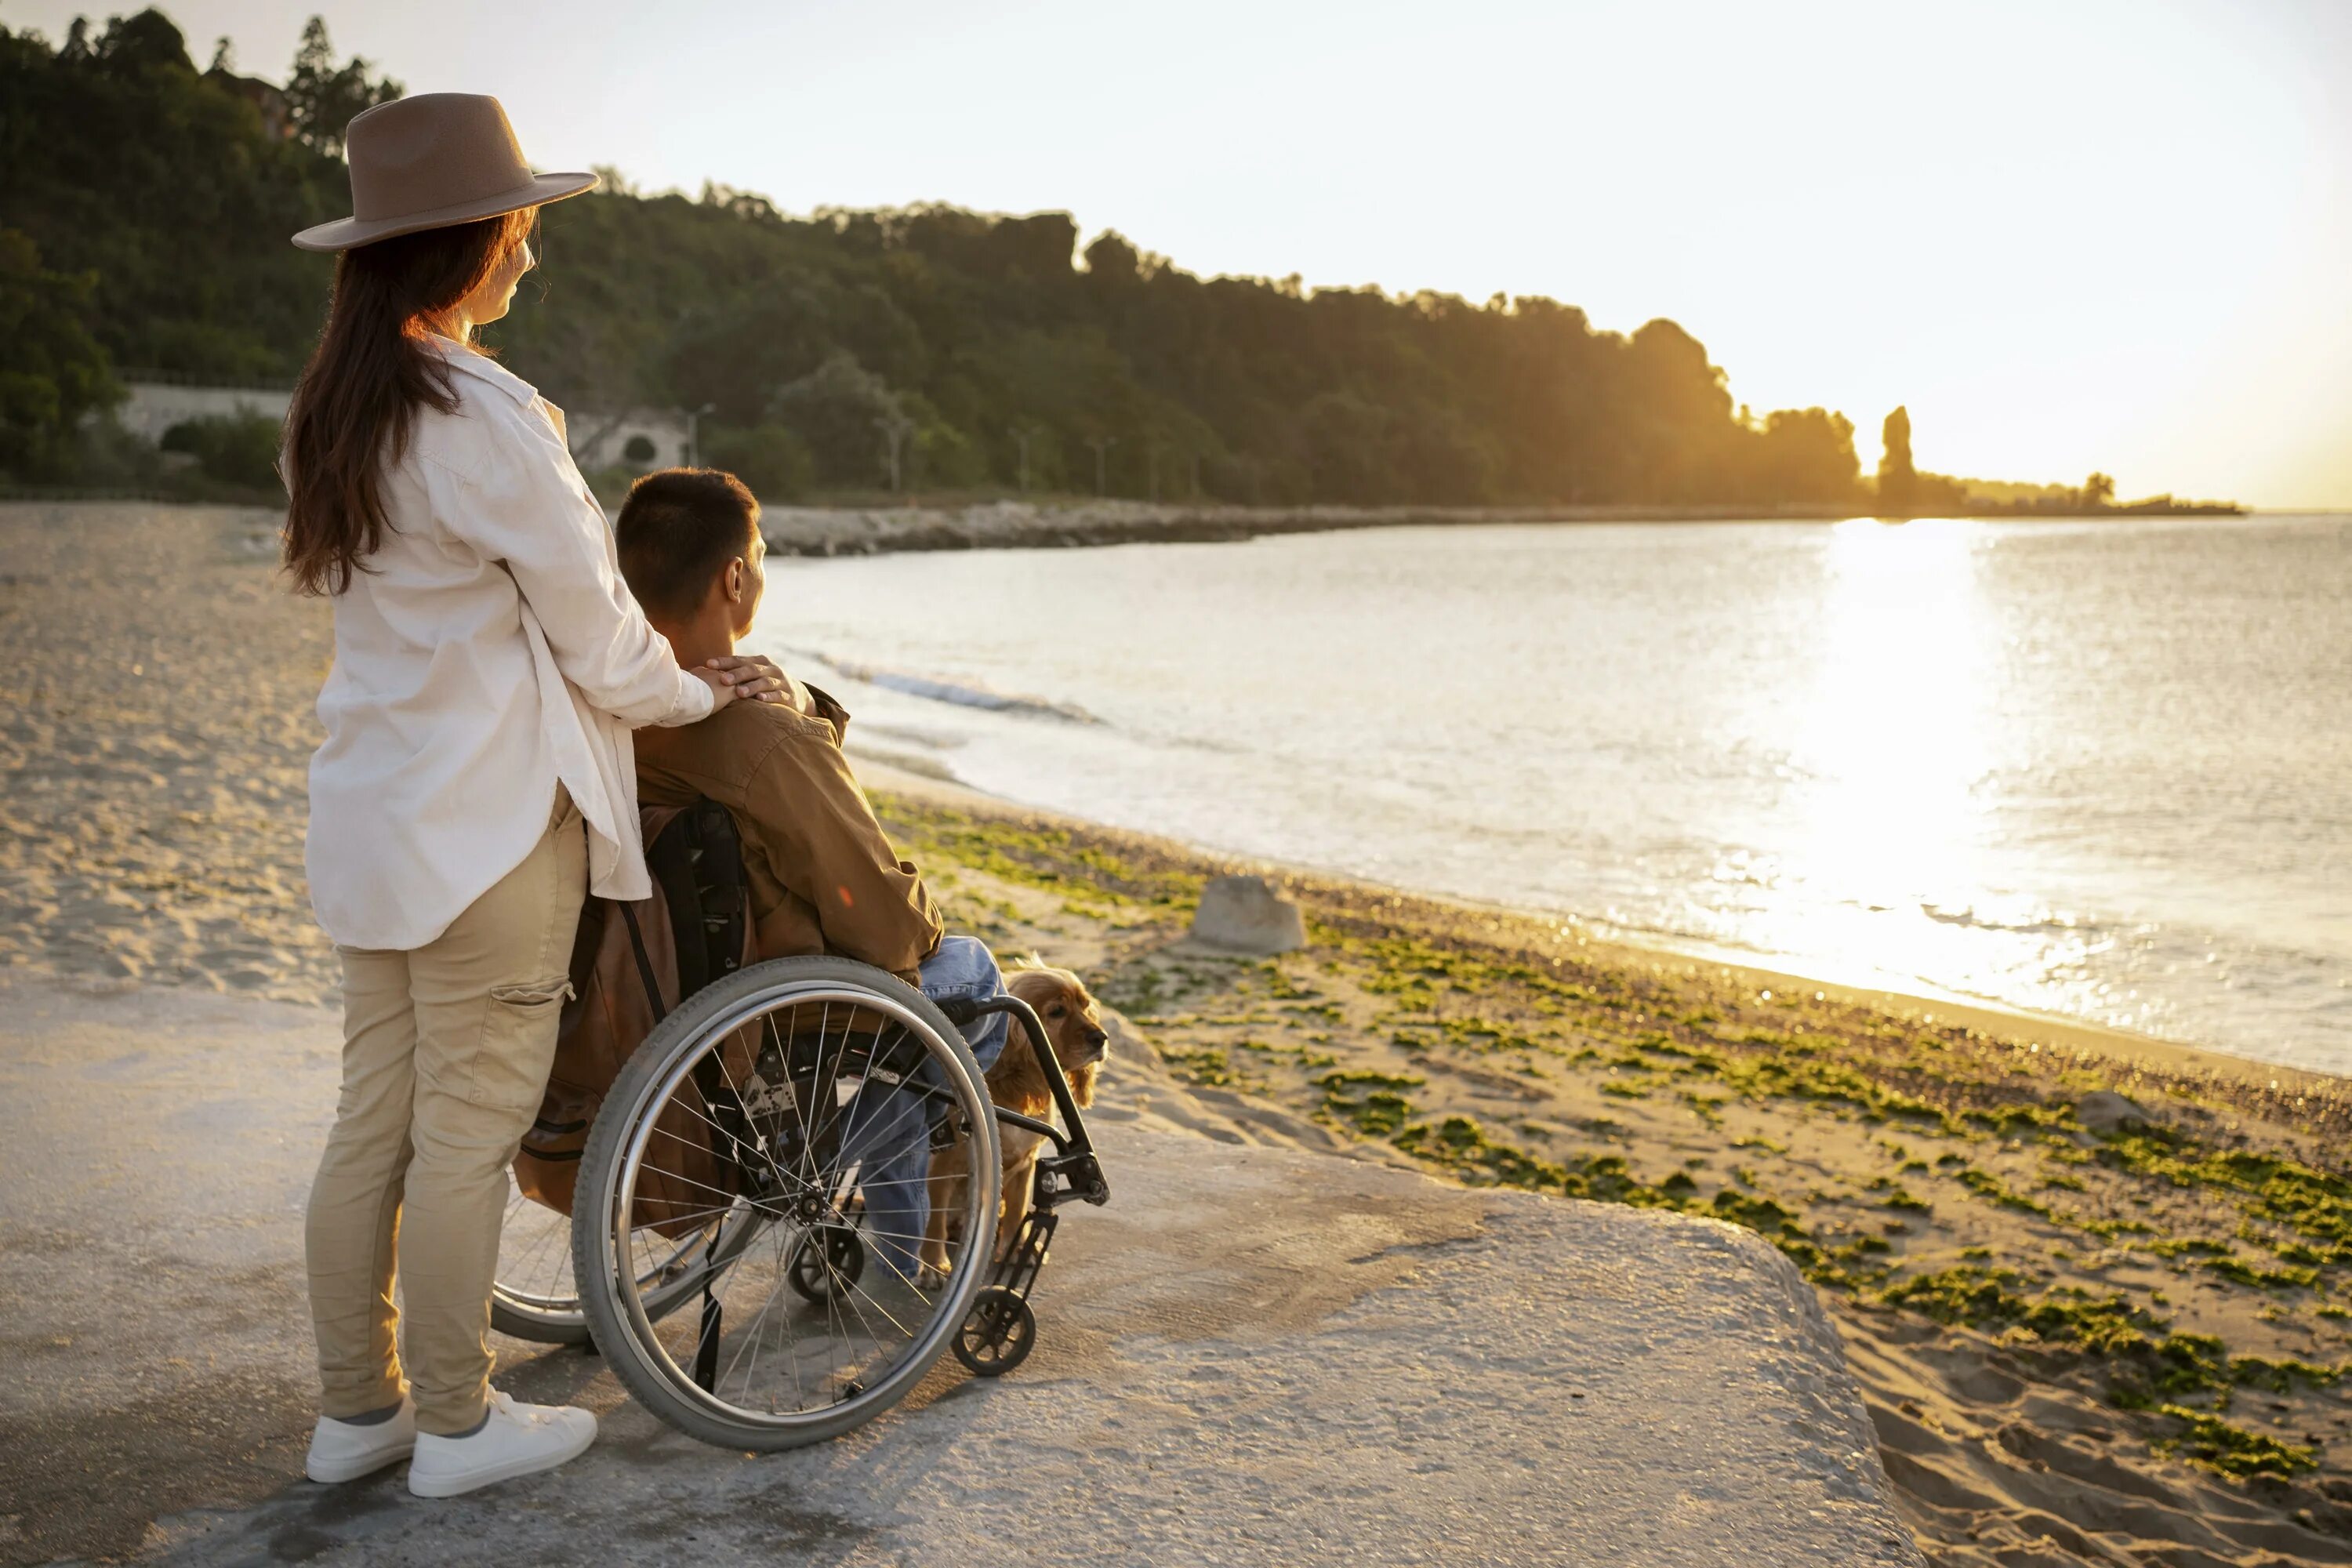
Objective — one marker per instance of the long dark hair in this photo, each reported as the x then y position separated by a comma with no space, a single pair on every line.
358,397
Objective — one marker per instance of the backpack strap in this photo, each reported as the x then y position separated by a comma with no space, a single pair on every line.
645,975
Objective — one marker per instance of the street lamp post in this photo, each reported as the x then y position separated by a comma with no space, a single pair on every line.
895,428
1022,436
1102,445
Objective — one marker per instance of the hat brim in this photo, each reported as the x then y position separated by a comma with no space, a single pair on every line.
349,232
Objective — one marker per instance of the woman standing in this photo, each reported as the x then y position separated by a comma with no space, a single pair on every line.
475,784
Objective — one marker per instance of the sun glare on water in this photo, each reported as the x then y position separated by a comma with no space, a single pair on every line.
1891,747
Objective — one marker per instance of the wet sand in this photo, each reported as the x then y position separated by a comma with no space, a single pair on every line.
2078,1344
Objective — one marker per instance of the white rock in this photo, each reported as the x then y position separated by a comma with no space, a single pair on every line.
1244,914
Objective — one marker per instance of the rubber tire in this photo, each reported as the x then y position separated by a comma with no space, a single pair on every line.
1025,1342
599,1169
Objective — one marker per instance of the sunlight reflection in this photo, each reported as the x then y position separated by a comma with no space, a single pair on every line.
1891,744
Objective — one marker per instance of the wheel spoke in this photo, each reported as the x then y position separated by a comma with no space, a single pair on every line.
820,1144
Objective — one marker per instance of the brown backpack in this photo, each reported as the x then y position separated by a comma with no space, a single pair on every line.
629,968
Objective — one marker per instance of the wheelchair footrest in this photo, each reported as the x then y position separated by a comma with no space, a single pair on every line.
1017,1270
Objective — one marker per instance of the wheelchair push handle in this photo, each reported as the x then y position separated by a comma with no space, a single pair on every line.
1071,1170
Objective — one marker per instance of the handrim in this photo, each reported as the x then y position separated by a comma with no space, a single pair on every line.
621,1310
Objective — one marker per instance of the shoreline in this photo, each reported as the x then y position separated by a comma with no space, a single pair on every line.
1760,972
1078,524
2097,1333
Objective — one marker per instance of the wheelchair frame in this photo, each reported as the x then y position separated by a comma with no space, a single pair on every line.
998,1333
991,1333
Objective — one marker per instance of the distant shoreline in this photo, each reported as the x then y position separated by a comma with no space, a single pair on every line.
1008,524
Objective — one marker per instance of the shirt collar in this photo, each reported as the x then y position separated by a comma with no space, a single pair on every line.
481,367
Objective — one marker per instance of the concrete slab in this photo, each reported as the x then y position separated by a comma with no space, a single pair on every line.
1257,1355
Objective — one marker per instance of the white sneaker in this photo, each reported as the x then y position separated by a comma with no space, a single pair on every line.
344,1450
518,1440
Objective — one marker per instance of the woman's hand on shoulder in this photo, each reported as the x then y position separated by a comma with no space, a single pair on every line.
736,677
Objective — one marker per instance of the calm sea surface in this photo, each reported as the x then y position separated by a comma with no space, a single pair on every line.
2102,770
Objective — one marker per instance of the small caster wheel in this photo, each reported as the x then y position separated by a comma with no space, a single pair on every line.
825,1263
998,1333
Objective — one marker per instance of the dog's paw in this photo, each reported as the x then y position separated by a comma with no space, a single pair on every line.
930,1276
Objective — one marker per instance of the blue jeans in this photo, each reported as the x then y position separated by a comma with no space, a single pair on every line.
887,1130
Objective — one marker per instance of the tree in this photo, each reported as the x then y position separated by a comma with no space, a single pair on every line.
770,458
176,196
323,98
1898,480
834,410
173,193
1111,258
55,372
236,449
1805,455
142,40
2098,490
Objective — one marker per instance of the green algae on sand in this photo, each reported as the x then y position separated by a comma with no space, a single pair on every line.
1902,1165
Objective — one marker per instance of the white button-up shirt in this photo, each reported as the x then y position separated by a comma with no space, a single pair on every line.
488,650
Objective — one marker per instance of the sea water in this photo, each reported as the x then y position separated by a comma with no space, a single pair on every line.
2097,769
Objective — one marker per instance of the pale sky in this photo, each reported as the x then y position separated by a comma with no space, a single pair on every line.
2068,234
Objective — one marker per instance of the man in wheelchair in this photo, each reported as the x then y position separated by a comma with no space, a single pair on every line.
822,875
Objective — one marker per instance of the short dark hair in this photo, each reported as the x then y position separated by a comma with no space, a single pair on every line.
677,531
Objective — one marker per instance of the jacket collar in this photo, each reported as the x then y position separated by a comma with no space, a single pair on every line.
481,367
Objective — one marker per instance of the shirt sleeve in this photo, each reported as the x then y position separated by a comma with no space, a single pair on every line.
806,811
527,510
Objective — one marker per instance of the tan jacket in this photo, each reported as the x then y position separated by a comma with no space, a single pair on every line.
823,876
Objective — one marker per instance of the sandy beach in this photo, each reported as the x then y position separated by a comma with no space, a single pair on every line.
2081,1339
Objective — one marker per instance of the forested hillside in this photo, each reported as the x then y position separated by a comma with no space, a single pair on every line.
147,205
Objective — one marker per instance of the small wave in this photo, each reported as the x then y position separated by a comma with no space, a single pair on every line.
959,693
2043,923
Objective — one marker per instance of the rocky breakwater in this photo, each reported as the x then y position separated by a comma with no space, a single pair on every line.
829,531
1018,524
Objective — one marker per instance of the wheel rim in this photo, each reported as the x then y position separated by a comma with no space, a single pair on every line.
996,1334
535,1276
843,1152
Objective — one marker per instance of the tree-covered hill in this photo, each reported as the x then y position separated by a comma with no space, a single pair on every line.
985,334
146,207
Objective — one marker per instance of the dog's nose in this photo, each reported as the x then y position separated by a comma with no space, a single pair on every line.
1097,1038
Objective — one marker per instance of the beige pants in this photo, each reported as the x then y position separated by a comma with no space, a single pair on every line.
446,1053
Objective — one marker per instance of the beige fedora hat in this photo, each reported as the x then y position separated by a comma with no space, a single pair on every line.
431,160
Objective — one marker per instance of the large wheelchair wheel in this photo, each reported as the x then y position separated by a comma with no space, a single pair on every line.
791,1109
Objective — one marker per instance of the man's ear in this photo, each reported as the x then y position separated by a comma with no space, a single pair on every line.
734,581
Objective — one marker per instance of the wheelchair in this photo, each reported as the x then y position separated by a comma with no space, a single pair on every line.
751,1246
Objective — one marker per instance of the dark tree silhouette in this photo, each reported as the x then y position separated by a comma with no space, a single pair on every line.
323,96
822,343
55,373
1898,479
